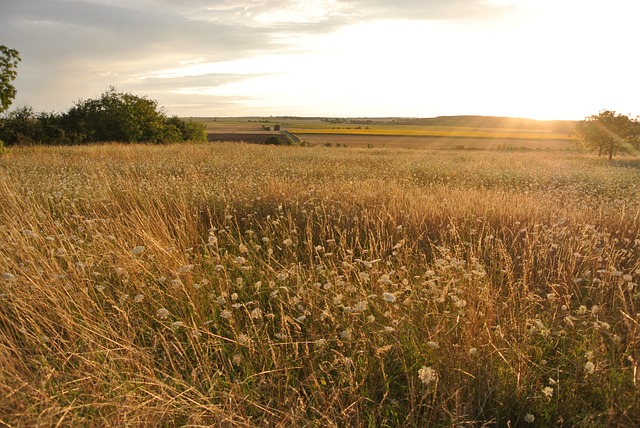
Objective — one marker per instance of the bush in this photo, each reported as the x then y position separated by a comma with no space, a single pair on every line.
115,116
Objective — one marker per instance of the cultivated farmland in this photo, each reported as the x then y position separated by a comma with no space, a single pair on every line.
246,285
446,133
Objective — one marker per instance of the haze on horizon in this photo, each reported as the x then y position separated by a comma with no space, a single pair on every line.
542,59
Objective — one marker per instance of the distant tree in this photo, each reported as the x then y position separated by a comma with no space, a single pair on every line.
609,132
9,59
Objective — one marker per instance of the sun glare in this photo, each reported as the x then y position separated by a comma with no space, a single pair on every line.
539,59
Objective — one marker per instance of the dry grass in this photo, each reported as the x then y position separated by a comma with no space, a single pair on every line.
239,285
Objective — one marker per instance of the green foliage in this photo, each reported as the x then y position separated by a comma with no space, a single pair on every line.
9,59
115,116
275,140
609,132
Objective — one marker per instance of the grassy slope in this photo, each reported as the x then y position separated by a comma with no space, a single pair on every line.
242,285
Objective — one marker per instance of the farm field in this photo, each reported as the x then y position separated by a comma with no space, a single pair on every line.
247,285
481,133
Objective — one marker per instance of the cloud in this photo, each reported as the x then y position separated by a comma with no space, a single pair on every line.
423,9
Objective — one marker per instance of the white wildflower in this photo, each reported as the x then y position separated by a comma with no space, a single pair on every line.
432,345
8,276
138,250
589,367
226,314
548,392
389,297
256,313
162,313
346,334
427,375
243,339
360,306
529,418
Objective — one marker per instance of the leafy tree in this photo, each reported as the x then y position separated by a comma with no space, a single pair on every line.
118,117
115,116
609,132
9,59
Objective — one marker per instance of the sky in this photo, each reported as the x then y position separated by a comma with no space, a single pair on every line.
541,59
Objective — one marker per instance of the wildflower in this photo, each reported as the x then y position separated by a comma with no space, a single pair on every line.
138,250
121,271
529,418
185,268
432,345
582,310
548,392
243,339
256,313
320,342
236,359
287,242
360,306
473,351
162,313
388,297
427,375
138,298
243,249
240,260
282,276
226,314
8,276
346,334
589,367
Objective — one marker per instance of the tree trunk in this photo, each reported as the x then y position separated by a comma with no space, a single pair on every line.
610,151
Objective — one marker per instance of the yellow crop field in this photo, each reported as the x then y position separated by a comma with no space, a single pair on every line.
424,131
248,285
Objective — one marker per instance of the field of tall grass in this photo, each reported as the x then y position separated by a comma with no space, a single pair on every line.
243,285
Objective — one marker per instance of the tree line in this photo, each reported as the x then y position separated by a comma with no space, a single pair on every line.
114,116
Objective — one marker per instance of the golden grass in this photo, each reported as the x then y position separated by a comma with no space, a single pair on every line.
238,285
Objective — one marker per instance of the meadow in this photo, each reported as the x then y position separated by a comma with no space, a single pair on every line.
248,285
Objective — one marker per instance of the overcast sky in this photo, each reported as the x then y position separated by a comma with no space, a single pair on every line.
544,59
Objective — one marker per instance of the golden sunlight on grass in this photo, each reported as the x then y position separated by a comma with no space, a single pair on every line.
238,285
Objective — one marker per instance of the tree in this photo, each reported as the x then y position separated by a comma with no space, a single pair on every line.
115,116
609,132
9,59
